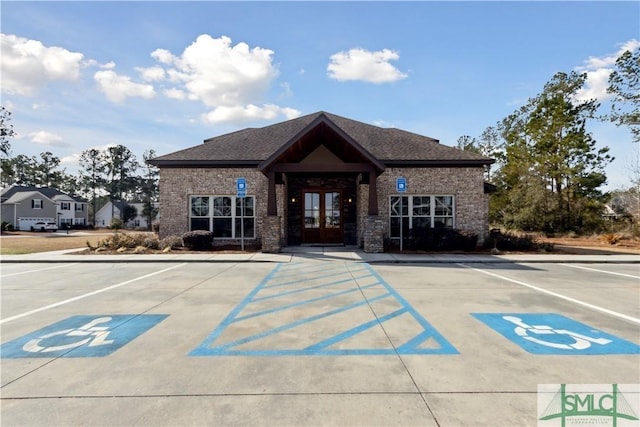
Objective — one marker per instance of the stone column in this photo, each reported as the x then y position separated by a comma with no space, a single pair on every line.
373,234
271,234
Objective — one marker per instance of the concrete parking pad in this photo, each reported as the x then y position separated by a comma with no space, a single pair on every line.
285,374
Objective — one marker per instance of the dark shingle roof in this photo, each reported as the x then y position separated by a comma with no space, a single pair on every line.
254,145
48,192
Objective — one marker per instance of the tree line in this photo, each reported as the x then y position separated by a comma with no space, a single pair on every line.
111,174
549,171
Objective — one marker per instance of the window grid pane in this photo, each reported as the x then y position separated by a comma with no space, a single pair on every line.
420,212
221,214
199,206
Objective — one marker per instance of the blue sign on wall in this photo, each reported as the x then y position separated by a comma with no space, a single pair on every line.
241,187
401,185
81,336
555,334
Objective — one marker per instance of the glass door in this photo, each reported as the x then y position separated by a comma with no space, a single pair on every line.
322,219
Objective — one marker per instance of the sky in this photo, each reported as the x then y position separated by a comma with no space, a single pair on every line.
167,75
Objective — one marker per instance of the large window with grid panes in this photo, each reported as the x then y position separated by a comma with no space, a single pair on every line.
223,215
420,211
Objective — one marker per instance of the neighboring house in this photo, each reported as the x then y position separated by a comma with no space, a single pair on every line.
104,215
24,206
321,179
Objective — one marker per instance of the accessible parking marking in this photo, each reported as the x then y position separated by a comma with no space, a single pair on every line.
548,333
81,336
305,309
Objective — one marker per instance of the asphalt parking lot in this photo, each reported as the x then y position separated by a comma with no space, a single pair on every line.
309,342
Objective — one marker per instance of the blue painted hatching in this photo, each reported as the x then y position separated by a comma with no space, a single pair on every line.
300,285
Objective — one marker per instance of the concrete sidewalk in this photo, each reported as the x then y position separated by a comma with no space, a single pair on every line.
325,253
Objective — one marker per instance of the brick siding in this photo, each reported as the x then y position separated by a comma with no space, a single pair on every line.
466,184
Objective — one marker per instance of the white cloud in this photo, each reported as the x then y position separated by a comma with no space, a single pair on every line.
163,56
230,79
174,93
117,88
360,64
219,74
28,64
47,138
598,70
151,74
239,114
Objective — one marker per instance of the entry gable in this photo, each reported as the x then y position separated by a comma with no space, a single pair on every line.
322,155
321,132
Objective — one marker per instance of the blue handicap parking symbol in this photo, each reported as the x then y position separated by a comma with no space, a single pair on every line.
555,334
81,336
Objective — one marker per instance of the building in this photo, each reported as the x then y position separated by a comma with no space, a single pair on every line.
104,215
24,206
321,179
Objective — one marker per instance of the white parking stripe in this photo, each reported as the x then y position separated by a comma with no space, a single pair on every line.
108,288
555,294
602,271
40,269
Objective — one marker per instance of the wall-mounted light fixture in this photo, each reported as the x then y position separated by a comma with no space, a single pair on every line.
349,200
293,200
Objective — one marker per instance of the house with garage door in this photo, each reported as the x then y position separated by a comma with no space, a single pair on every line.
321,179
26,206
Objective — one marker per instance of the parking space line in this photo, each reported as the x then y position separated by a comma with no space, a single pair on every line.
79,297
601,271
40,269
555,294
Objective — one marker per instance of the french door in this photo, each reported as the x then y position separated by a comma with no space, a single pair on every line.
322,216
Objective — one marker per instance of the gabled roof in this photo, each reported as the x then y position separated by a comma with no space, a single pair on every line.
50,193
261,146
19,196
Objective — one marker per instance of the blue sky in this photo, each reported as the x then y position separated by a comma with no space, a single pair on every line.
167,75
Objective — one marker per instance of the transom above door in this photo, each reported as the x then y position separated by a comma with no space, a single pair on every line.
322,216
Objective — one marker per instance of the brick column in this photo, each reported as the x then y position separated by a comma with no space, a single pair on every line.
271,232
373,234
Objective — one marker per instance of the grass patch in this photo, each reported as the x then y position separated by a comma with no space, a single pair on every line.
33,244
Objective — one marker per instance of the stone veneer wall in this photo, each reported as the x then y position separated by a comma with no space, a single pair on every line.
466,184
177,184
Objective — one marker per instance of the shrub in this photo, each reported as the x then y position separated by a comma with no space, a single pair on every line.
129,241
172,242
442,239
197,240
610,238
116,223
151,242
514,242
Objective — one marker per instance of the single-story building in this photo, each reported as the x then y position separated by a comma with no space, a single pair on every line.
321,179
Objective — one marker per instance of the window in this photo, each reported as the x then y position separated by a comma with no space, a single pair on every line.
420,212
67,221
36,204
79,207
224,215
65,206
